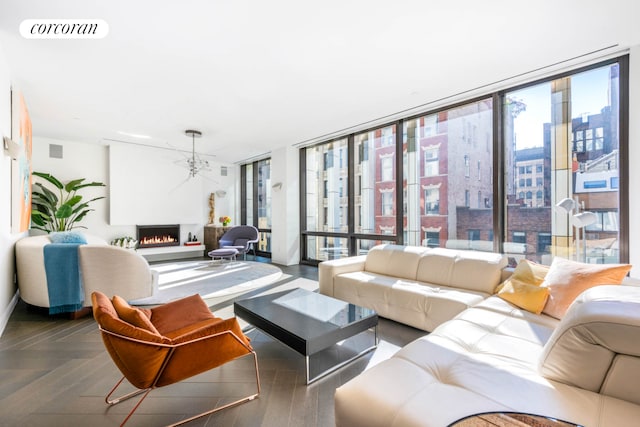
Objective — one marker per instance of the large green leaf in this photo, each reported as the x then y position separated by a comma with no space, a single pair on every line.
64,211
80,207
90,184
95,198
75,199
49,195
82,215
41,204
73,185
38,219
42,211
49,178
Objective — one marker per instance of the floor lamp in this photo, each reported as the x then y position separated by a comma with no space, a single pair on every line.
579,220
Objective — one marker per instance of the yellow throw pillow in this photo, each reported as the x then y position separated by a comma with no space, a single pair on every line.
132,315
567,279
528,297
527,272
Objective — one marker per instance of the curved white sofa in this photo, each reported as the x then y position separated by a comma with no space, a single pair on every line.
108,269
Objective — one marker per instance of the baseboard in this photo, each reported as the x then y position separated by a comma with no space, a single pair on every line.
4,319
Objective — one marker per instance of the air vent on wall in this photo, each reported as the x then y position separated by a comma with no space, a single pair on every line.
223,171
55,151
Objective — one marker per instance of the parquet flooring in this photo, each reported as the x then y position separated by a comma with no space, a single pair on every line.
56,372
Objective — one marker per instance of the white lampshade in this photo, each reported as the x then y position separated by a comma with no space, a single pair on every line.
584,219
566,205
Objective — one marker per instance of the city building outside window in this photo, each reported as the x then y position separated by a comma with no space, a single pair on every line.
255,202
387,203
387,168
432,201
431,162
537,133
467,166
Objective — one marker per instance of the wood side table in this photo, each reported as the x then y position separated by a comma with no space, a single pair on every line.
212,235
510,419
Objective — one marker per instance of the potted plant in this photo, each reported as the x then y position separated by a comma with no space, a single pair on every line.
126,242
59,212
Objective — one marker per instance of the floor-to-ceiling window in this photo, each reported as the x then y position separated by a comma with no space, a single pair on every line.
535,171
375,198
256,201
562,144
448,159
326,196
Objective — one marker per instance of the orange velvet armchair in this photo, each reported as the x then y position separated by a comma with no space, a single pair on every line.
167,344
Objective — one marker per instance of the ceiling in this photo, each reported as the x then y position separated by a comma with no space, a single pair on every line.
256,76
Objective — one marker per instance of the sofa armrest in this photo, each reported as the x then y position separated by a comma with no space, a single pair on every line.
596,346
328,269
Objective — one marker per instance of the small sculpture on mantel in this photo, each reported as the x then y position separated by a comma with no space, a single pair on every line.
212,208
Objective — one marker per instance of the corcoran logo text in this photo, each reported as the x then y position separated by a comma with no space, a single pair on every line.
64,28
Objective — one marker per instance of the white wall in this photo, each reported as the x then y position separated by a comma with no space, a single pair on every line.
8,296
634,160
136,205
166,187
285,206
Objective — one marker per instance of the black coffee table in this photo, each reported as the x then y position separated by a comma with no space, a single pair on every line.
308,322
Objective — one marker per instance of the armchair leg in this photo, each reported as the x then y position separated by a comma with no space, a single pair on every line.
146,392
234,403
117,400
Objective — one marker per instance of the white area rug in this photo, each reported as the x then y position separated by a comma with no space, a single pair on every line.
210,279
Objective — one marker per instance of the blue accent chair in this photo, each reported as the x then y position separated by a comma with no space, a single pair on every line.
242,238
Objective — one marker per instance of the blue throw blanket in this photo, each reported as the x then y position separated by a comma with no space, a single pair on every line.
63,277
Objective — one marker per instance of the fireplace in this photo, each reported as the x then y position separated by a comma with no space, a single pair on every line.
153,236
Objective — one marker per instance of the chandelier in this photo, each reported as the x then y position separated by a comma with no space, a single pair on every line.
195,163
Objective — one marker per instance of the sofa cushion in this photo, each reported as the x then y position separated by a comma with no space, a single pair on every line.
471,270
566,279
394,260
501,306
436,266
421,305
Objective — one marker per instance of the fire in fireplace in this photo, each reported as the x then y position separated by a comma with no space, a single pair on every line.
153,236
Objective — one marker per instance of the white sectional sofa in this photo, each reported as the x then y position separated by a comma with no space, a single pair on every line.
417,286
492,356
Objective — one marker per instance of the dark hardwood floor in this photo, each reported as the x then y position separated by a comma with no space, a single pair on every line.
56,372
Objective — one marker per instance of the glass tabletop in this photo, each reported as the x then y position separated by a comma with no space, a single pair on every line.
305,320
322,308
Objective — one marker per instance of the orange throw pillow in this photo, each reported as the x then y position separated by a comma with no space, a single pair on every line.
567,279
133,315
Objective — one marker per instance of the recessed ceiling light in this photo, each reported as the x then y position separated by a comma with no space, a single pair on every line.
134,135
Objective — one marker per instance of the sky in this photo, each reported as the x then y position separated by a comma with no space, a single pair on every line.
589,94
